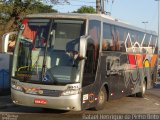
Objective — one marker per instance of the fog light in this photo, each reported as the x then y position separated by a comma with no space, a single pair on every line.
68,108
15,101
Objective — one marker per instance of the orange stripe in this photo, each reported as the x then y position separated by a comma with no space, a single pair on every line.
153,61
139,59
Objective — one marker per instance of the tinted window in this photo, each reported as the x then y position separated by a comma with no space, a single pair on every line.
146,40
95,32
153,41
122,35
140,37
107,37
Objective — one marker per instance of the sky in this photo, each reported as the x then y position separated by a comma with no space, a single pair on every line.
132,11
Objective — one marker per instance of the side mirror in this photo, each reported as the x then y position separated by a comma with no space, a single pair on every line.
83,47
6,39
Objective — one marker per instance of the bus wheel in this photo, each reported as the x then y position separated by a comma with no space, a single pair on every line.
143,90
102,98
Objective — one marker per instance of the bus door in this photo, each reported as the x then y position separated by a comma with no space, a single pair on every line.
89,90
90,87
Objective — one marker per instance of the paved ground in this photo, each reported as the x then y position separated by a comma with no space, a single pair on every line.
157,84
128,107
5,101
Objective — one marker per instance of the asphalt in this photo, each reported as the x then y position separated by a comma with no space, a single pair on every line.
5,100
157,84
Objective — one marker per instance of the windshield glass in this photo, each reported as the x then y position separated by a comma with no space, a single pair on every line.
46,51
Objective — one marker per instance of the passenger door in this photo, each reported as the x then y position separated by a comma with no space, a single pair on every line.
90,88
89,74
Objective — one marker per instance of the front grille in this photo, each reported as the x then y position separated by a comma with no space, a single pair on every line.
44,92
54,93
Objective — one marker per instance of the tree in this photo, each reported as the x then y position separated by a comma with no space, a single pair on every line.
85,9
13,11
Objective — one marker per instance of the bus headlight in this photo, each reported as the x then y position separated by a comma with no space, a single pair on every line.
71,92
16,87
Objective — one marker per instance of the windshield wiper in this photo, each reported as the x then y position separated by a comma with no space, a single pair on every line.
45,53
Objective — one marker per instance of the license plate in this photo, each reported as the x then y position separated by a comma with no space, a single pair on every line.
40,101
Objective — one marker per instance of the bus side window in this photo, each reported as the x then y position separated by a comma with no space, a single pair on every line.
94,32
107,42
113,45
117,40
105,45
92,52
90,62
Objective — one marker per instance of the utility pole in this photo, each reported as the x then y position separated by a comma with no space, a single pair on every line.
103,7
98,6
158,25
145,22
158,35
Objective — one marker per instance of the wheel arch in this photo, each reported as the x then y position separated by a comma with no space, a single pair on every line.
105,85
146,80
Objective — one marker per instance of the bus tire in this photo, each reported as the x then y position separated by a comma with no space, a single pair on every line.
143,90
102,98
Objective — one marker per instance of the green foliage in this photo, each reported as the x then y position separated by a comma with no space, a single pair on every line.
17,9
13,11
86,9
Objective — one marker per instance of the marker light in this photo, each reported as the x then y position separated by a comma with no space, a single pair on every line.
71,92
16,87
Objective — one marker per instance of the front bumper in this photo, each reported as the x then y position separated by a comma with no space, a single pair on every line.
71,102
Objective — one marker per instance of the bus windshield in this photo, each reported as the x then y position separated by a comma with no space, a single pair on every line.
46,49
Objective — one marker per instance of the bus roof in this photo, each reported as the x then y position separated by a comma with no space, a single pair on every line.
101,17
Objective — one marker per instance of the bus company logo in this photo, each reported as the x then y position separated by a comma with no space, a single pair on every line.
91,97
26,75
33,90
136,46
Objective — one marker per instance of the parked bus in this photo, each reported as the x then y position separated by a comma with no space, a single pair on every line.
7,46
80,61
